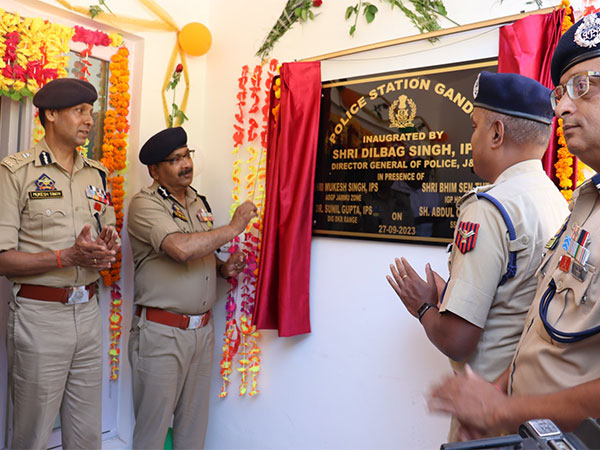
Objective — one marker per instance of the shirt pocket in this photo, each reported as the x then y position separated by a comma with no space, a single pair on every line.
570,307
49,217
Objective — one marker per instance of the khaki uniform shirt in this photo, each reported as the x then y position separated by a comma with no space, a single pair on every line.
161,282
541,365
536,209
43,208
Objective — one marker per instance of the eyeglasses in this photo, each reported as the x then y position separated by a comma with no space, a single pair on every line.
577,86
177,159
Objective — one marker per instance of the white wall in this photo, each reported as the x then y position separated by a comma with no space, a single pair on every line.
358,380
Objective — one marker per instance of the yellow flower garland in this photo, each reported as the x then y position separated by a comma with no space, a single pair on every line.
116,127
564,165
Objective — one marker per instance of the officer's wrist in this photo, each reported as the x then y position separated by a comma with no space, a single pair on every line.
66,257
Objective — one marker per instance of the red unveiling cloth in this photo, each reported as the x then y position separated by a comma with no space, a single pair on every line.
526,47
282,299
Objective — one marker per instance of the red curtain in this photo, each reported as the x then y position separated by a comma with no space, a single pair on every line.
282,299
526,47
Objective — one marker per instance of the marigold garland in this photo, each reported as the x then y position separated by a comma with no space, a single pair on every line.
114,149
243,336
564,164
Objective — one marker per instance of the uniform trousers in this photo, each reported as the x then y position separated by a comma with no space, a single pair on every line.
54,364
171,380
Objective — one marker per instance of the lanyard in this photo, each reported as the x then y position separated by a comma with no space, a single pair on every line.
561,336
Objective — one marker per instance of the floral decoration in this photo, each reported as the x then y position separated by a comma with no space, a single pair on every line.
565,160
177,116
114,149
32,52
564,165
242,335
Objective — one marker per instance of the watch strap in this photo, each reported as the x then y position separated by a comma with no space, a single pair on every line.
424,308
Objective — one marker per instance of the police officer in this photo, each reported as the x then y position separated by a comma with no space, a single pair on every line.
56,233
555,371
171,345
501,232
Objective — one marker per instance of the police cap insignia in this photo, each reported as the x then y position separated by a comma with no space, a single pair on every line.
162,144
514,95
476,87
64,93
578,44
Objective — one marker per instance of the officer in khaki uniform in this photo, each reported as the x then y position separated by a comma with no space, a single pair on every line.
555,370
172,339
501,232
56,233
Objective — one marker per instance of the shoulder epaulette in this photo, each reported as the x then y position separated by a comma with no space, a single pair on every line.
95,164
205,202
16,161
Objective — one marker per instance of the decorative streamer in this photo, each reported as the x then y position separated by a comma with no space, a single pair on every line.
250,128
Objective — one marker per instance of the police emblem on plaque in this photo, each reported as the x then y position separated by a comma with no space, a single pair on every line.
402,112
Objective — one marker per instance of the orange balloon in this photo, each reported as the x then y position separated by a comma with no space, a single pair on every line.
194,39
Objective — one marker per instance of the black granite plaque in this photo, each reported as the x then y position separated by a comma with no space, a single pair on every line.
395,155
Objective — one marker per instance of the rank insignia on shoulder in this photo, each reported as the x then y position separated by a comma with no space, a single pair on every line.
466,236
178,212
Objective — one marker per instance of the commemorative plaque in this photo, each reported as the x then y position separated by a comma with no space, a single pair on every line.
394,154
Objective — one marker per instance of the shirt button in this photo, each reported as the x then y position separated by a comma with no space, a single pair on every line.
206,278
203,303
48,212
559,285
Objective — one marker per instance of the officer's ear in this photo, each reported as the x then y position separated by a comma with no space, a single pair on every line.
498,131
153,171
50,115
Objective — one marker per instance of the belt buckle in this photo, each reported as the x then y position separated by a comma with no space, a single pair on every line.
77,294
195,322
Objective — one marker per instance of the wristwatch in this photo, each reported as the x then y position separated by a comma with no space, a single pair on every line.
424,308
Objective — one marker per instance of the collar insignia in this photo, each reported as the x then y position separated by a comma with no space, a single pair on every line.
45,158
163,192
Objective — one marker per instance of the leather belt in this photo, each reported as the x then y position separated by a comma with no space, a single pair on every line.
69,295
183,321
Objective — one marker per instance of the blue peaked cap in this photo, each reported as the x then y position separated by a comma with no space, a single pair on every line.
514,95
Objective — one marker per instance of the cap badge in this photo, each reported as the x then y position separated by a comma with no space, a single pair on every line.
588,33
476,86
